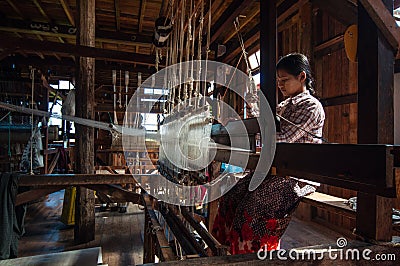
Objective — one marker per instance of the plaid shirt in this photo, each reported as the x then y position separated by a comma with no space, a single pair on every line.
305,111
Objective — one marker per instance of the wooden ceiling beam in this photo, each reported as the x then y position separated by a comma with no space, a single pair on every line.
384,20
227,18
18,26
291,10
56,56
396,4
284,9
41,10
40,55
117,15
251,37
163,8
38,62
78,50
6,52
141,15
348,10
68,12
16,9
242,25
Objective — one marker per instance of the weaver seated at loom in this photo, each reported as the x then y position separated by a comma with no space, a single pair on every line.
250,220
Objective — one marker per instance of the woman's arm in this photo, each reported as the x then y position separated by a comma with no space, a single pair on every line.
306,118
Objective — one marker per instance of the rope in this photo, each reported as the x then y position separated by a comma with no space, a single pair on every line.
240,59
9,134
32,91
244,53
207,52
197,91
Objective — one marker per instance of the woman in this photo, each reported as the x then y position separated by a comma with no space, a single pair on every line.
247,221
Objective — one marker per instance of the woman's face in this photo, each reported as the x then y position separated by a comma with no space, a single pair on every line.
290,85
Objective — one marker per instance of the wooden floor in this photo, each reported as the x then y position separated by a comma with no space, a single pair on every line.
304,234
120,235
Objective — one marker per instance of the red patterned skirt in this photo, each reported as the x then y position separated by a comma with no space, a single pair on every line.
250,220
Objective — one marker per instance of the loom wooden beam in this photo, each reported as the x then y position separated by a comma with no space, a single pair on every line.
78,179
187,241
68,12
365,168
35,194
212,243
117,193
174,214
160,240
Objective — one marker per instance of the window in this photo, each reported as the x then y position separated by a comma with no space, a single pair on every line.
56,111
65,85
150,121
254,60
396,15
155,91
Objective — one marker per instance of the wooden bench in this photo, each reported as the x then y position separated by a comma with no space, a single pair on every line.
330,203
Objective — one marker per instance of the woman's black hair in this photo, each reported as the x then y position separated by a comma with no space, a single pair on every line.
294,64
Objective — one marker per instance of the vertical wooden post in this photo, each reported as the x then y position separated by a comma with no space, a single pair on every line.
268,37
375,117
84,212
214,170
46,135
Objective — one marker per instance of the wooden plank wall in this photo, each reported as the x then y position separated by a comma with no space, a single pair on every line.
334,76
